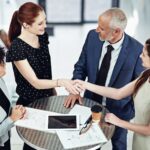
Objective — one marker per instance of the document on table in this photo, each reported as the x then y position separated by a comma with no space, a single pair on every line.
72,139
83,111
35,119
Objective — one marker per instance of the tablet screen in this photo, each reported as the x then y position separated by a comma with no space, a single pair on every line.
63,122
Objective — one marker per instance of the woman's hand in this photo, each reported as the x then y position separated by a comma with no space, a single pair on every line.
81,84
113,119
70,85
17,112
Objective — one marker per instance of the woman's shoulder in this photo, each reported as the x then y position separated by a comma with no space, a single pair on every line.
15,45
17,51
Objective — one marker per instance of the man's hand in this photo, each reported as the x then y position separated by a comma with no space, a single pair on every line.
71,99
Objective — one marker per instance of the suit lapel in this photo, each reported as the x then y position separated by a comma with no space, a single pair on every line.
120,61
97,54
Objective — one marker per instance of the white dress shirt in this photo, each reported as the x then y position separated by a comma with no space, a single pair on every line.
114,56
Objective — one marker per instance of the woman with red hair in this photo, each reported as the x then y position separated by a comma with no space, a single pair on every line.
30,56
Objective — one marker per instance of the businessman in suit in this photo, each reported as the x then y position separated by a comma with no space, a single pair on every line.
124,66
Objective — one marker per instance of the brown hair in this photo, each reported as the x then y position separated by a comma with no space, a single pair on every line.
4,38
26,13
145,74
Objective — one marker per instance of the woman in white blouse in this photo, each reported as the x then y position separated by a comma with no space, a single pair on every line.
8,115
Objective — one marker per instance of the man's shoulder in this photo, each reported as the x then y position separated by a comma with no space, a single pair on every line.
93,31
132,39
132,42
92,34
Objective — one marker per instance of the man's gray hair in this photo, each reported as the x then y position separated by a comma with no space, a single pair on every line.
118,18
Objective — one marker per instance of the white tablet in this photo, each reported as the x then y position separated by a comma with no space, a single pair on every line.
62,122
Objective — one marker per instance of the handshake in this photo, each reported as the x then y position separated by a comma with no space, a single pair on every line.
72,86
75,87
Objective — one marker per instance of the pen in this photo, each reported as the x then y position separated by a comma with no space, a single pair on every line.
83,130
88,120
86,126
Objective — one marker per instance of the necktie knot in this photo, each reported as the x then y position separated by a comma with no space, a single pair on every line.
110,48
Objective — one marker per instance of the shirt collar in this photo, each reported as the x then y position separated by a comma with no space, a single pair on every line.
115,45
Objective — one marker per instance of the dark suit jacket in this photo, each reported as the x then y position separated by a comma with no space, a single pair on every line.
127,68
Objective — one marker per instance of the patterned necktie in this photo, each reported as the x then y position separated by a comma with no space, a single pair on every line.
103,72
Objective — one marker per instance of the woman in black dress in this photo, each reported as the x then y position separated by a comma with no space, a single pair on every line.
30,56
